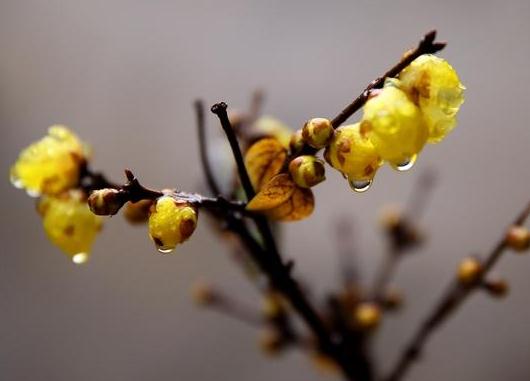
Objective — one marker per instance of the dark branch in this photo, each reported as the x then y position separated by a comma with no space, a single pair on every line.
219,109
279,274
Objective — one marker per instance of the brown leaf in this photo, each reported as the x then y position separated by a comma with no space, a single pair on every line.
299,206
278,190
264,159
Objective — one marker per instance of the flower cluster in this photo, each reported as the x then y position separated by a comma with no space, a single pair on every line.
418,107
51,170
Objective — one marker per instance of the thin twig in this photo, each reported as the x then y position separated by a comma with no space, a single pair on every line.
425,46
452,299
219,109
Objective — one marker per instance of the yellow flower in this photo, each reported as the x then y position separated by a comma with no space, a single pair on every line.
272,127
433,85
50,165
395,126
69,223
353,155
171,222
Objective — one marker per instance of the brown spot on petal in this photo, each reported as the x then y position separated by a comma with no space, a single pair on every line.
344,146
187,227
365,128
368,170
69,230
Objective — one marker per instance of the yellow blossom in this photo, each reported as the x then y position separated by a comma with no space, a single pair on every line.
50,165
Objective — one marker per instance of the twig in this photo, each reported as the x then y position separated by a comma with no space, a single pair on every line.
453,298
203,149
219,109
279,274
426,46
133,191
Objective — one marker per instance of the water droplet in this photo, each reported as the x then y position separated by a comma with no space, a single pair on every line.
360,186
406,164
80,258
16,182
164,251
33,193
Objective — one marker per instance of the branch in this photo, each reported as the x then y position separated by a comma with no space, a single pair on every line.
454,297
279,274
133,191
219,109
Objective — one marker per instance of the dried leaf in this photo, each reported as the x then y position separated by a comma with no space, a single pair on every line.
278,190
264,159
299,206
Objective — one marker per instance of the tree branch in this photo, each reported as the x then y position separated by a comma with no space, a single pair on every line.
280,275
453,298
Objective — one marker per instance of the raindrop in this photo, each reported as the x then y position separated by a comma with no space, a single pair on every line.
406,164
33,193
80,258
360,185
16,182
164,251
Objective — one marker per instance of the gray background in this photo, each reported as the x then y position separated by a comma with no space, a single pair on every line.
123,74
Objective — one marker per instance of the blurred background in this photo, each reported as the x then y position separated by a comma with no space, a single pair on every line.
124,74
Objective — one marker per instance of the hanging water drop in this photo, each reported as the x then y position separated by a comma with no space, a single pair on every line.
33,193
16,182
406,164
360,186
80,258
163,251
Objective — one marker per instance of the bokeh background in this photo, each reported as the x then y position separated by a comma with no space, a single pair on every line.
124,74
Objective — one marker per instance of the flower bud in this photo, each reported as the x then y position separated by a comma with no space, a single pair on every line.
469,270
272,305
271,341
392,299
296,144
353,154
367,316
105,202
497,287
69,224
171,222
307,171
317,132
137,212
203,294
518,238
325,364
